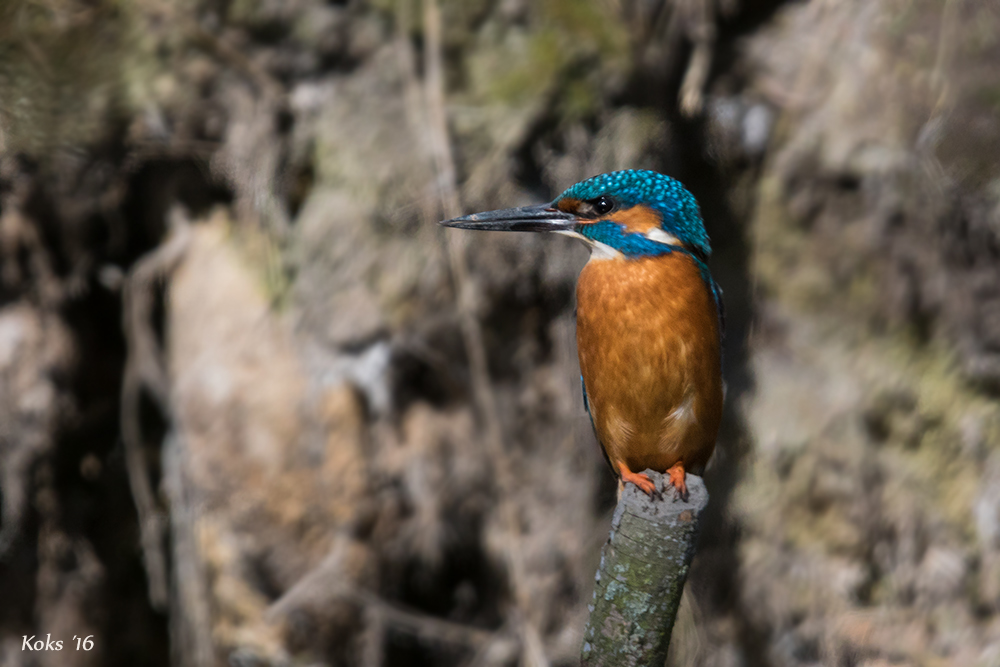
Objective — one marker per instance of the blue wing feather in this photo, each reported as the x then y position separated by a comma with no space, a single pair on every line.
586,405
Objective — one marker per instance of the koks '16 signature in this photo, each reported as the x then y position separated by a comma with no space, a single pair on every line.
32,644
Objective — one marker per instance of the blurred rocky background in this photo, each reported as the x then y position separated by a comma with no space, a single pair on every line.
257,408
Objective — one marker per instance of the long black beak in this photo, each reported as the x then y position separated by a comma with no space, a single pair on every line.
537,218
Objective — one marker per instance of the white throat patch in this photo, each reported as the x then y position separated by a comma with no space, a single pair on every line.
598,250
660,236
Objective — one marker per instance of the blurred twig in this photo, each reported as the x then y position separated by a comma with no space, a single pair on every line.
483,653
947,39
667,23
420,625
144,370
326,582
190,614
702,32
472,334
373,652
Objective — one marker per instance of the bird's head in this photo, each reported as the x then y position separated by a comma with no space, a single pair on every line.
631,213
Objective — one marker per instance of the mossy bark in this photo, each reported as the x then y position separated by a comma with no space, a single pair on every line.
643,568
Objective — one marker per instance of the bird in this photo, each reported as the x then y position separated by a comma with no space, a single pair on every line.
649,319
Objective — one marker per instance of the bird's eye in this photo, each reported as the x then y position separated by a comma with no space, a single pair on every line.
603,204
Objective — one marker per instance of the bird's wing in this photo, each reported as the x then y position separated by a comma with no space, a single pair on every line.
586,405
720,306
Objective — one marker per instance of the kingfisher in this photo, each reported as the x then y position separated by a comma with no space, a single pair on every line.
649,318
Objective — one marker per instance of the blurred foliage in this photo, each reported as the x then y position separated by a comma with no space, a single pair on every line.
72,71
59,74
573,48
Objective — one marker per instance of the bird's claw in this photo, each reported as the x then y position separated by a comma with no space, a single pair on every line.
676,479
642,481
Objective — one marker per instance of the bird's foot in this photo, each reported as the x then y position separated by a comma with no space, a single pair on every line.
640,479
676,474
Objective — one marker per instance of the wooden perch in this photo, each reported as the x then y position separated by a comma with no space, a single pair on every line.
644,565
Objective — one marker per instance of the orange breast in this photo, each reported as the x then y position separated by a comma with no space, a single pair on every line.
648,338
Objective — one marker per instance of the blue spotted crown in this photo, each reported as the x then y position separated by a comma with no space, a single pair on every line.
677,207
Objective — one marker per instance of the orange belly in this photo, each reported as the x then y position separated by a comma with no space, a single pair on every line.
648,338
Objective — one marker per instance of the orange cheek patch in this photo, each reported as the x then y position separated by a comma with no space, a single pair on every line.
638,219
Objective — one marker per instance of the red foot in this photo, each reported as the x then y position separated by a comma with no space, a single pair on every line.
676,473
640,479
